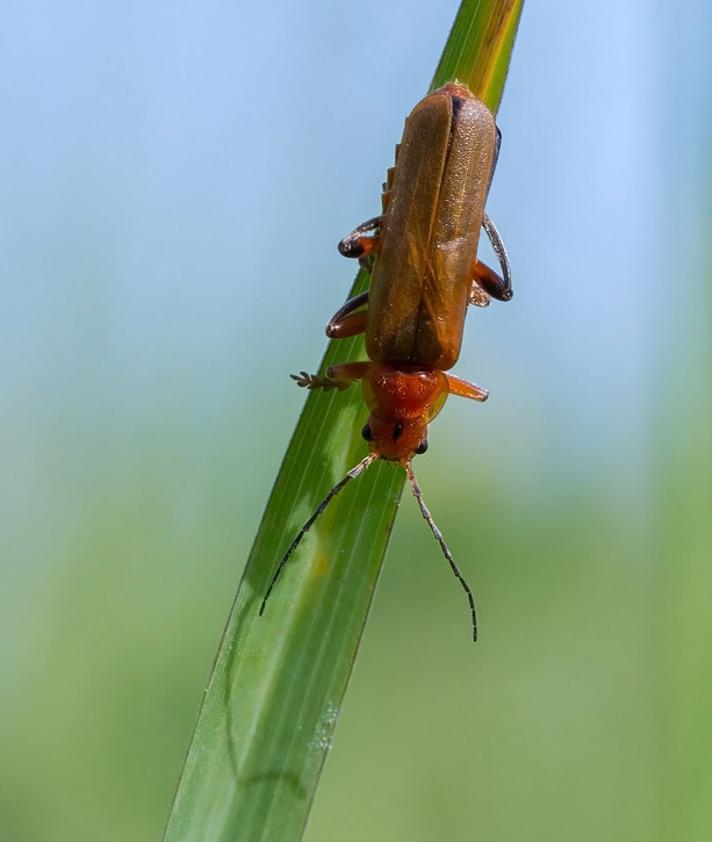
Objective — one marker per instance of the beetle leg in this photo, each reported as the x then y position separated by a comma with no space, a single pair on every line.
337,377
316,381
487,283
460,387
356,245
360,247
478,297
503,291
348,371
347,323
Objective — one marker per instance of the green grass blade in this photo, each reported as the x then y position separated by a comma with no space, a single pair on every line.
269,711
479,47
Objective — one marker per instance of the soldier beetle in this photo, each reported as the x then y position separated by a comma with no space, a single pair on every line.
425,274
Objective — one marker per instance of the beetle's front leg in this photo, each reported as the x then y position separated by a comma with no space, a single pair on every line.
464,389
345,322
315,381
337,377
357,245
349,371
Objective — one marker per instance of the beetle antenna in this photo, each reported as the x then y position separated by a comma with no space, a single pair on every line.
418,494
352,474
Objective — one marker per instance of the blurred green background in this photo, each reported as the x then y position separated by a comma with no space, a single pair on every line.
175,179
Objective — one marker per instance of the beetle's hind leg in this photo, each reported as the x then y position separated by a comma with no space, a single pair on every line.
345,322
487,279
487,284
356,244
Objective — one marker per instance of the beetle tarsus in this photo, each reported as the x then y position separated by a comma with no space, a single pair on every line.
478,297
315,381
499,249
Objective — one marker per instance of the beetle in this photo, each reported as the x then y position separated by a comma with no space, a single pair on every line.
422,255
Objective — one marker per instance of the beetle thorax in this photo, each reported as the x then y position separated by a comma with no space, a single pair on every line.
402,400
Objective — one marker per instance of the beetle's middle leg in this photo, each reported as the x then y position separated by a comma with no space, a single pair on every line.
356,244
345,322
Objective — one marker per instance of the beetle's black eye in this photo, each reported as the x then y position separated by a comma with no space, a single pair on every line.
422,447
398,431
366,432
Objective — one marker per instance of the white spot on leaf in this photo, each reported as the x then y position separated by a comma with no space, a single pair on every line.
324,732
